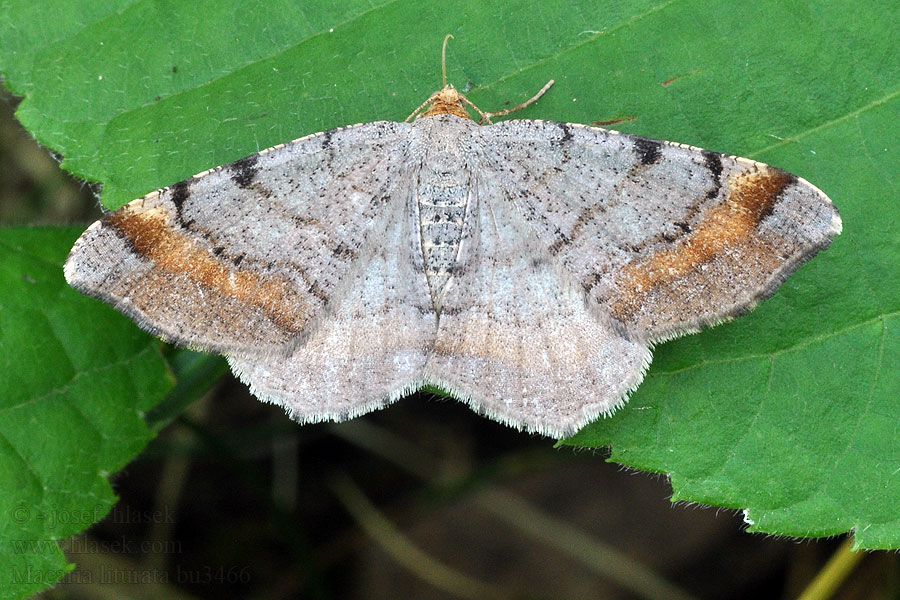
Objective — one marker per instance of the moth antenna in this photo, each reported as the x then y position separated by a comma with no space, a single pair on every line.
447,38
421,106
531,100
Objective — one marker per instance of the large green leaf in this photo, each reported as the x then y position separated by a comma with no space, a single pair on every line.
77,378
790,412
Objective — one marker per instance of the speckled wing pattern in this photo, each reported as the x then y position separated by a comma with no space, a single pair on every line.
526,267
241,258
663,237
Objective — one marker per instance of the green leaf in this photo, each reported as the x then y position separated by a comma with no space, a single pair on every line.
789,412
78,377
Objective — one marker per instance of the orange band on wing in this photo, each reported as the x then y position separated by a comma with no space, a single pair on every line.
152,237
751,197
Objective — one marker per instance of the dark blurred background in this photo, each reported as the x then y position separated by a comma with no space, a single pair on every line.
422,500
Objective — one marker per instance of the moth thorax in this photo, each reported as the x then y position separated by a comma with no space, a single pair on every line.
439,107
447,101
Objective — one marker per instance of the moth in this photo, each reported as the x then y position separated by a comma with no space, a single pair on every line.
527,267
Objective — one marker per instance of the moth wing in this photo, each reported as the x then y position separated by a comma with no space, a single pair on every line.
664,237
241,258
516,341
370,347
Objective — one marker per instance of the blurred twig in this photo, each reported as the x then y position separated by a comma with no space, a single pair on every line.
601,558
195,374
174,474
834,573
285,522
404,551
109,575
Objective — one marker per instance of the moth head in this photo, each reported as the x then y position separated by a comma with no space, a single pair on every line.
447,101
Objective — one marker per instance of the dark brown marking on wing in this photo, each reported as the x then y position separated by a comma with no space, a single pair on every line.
648,151
313,288
326,138
567,134
243,171
588,283
563,143
151,236
181,191
713,162
556,246
750,197
584,217
342,250
683,226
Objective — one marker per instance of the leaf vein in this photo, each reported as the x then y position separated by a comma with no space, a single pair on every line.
62,389
855,113
801,344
